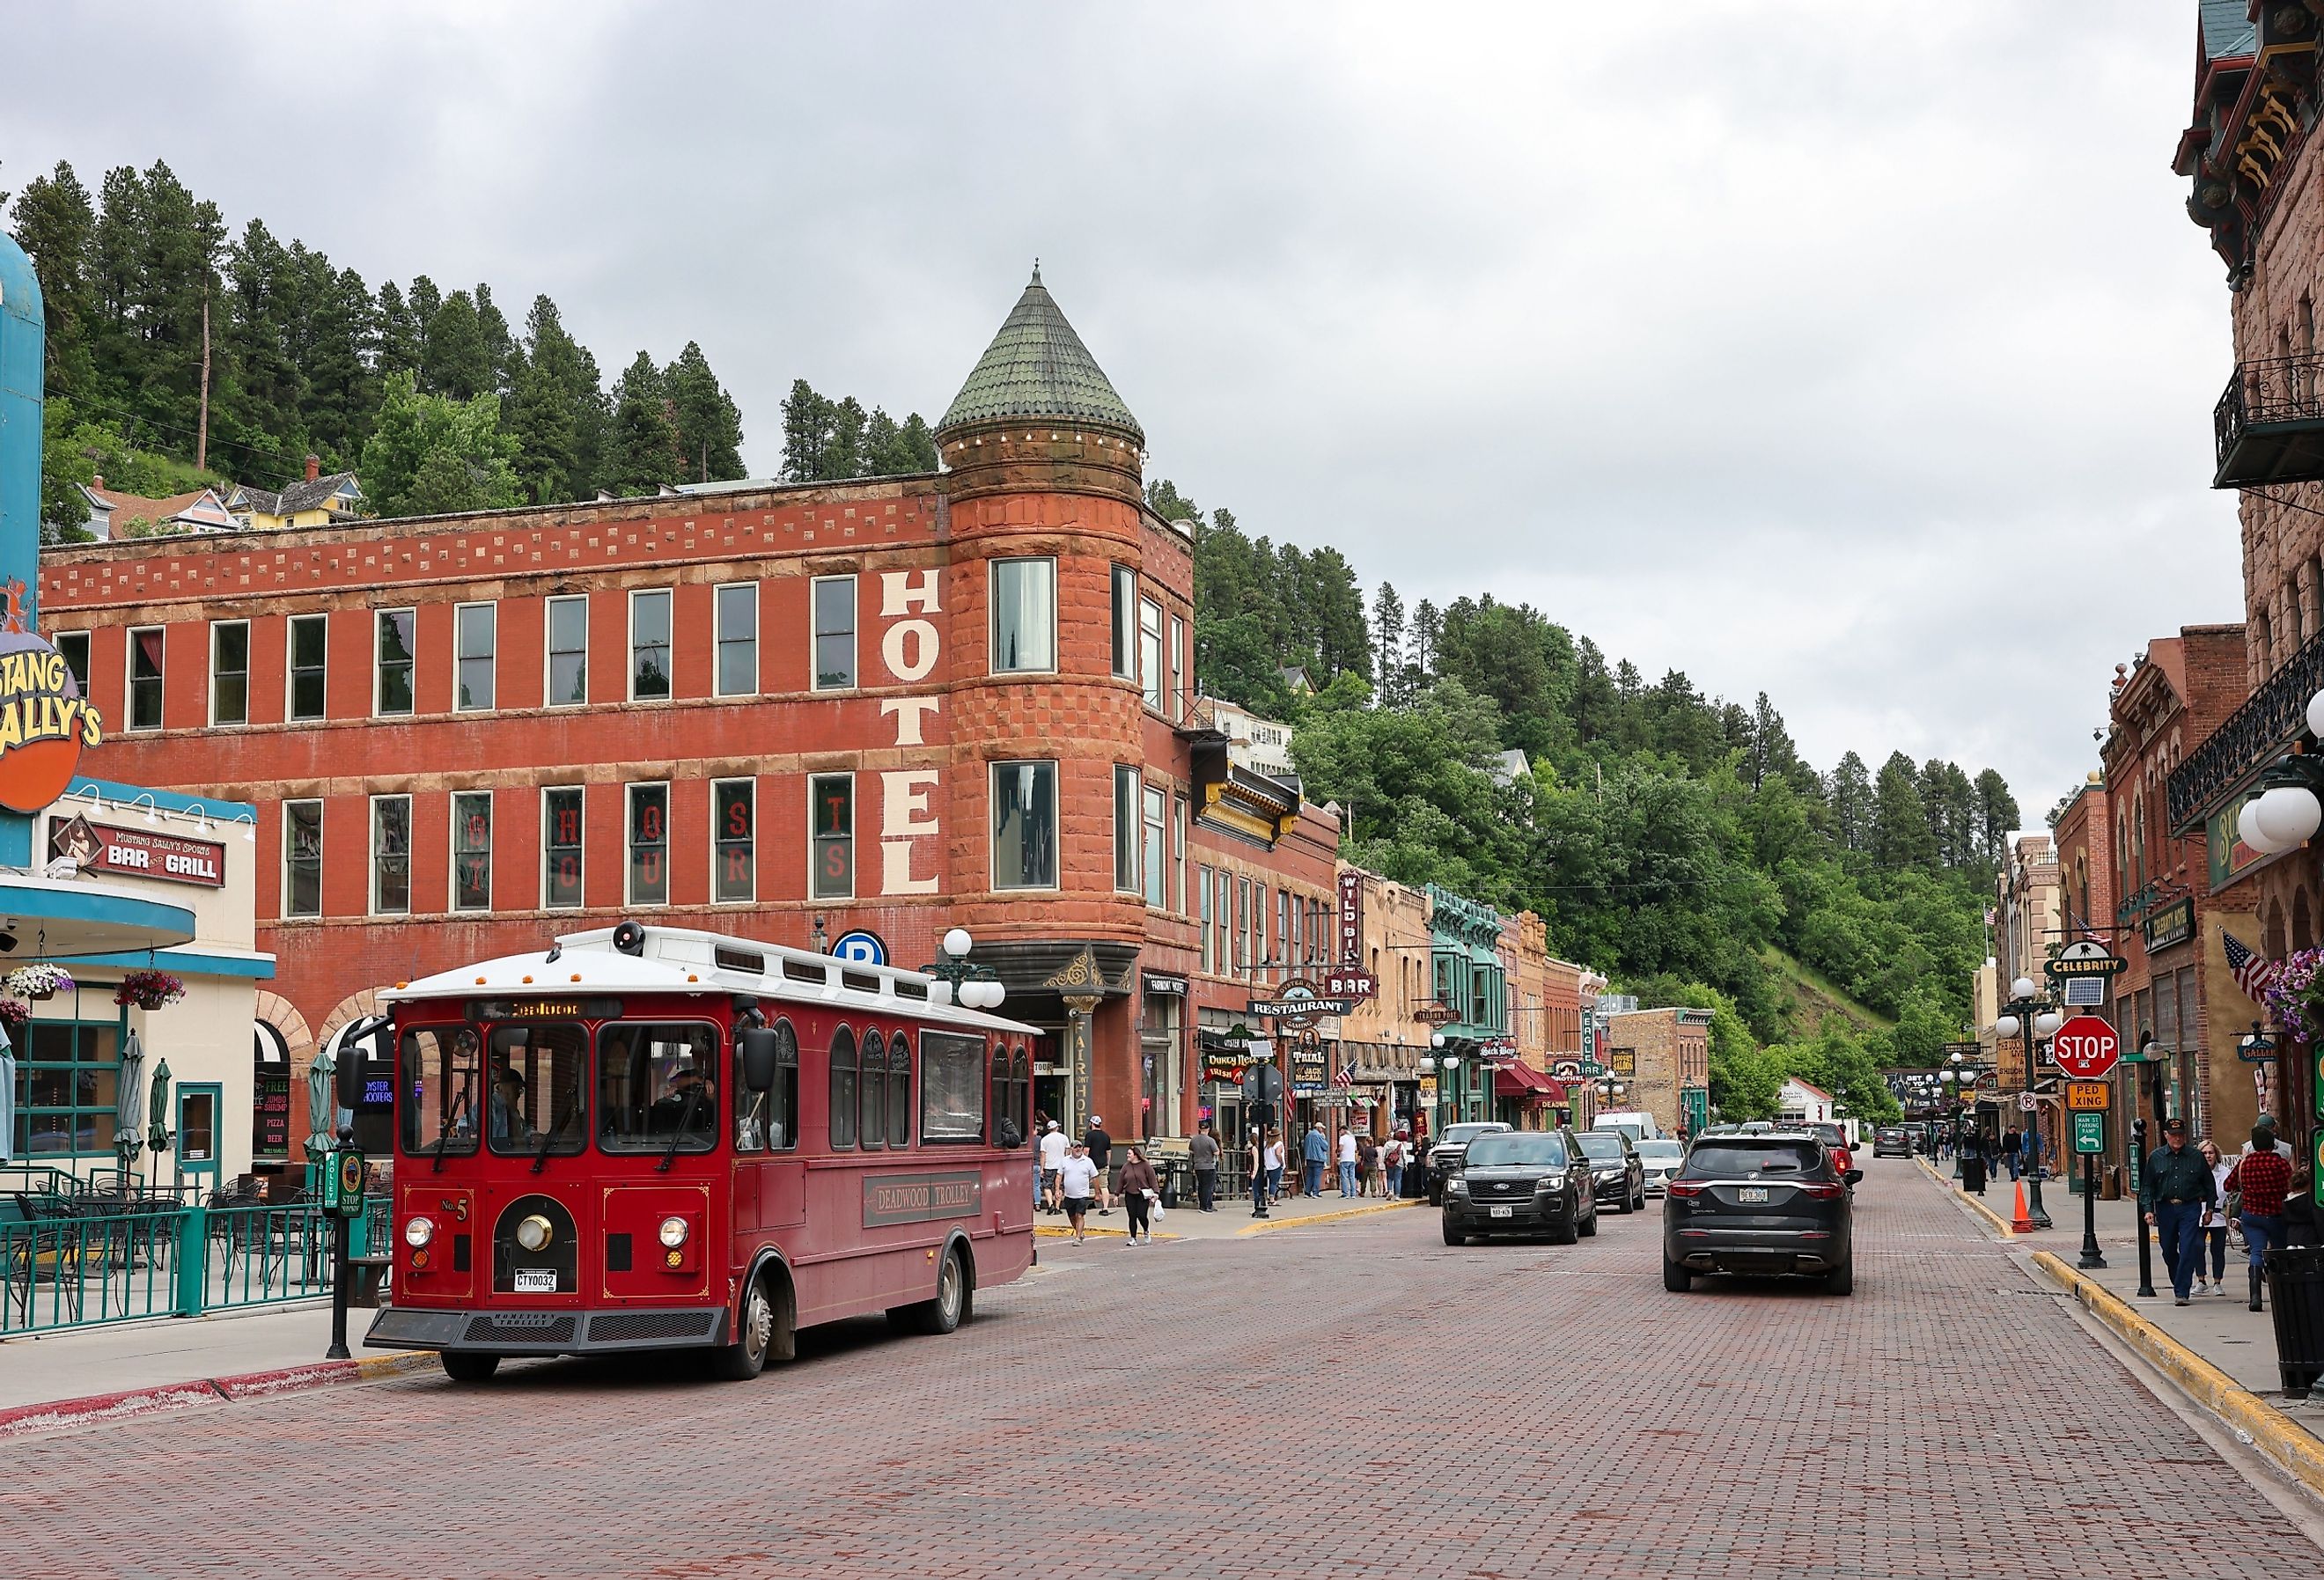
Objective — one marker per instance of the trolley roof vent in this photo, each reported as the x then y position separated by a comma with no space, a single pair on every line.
804,971
740,960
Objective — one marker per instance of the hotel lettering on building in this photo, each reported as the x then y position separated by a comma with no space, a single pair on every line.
884,708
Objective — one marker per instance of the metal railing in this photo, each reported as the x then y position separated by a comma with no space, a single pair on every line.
79,1261
2249,738
2271,389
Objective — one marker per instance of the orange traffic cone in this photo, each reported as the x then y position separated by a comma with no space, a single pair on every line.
2019,1223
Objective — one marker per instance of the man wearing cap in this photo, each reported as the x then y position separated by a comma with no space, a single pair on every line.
2178,1186
1314,1153
1101,1148
1053,1148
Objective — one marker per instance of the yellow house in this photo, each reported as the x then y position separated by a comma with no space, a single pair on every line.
312,502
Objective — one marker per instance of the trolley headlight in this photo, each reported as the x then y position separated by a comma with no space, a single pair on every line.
419,1232
673,1231
534,1232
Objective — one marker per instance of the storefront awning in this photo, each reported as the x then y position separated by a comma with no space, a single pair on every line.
1522,1082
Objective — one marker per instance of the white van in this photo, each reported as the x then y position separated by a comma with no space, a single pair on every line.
1641,1125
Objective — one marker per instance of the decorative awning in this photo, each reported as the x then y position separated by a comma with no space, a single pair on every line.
1528,1084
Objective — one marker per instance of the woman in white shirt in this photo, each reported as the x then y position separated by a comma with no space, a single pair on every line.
2215,1225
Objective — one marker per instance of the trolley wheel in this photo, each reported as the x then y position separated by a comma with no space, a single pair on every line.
955,1302
467,1365
754,1337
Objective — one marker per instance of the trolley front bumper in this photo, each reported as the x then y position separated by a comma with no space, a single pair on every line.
550,1332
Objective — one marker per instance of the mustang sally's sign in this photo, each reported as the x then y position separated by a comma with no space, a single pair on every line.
44,720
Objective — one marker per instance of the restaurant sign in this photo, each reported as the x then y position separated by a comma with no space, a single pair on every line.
99,848
2174,924
44,720
1296,1002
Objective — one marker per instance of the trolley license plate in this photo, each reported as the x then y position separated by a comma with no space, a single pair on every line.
1748,1193
542,1280
1505,1212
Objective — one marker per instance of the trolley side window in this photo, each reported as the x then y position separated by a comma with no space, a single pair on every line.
843,1089
899,1091
769,1121
871,1088
656,1082
441,1091
952,1088
536,1089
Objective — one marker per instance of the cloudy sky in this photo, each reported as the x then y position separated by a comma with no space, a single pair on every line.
1862,355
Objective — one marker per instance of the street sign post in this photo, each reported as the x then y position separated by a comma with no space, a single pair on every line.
2089,1097
2026,1102
2085,959
2090,1134
2089,1142
2086,1048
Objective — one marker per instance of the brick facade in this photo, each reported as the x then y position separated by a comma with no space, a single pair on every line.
1669,1053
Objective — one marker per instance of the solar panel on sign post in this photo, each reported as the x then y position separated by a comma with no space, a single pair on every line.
2085,990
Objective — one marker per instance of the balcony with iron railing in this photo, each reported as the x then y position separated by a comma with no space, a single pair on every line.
2249,739
2269,424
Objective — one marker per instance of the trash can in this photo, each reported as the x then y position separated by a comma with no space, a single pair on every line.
2296,1296
1173,1182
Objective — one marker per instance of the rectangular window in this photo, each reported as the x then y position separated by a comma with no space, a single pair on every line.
734,840
831,822
474,644
834,633
1125,599
392,675
230,672
1221,882
309,635
1282,952
648,646
66,1090
737,615
1179,686
471,851
145,648
1210,958
391,855
1157,846
648,842
443,1072
302,858
560,849
569,651
952,1087
1125,828
1024,616
1024,826
1178,852
658,1087
1149,652
73,647
543,1110
1242,955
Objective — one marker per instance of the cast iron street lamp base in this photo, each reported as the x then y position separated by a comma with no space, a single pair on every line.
2040,1219
2092,1257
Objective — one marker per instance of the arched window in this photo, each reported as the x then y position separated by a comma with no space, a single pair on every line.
875,1089
783,1123
899,1091
1003,1104
1024,1077
843,1089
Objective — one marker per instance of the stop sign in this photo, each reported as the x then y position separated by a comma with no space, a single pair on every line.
2086,1048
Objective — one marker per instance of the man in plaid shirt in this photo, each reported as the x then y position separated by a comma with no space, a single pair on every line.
2263,1175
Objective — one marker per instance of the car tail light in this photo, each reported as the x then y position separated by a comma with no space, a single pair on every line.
1824,1192
1682,1188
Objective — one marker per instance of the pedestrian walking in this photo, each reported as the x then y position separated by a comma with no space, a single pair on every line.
2262,1178
1100,1152
1255,1165
1314,1151
1274,1167
1054,1147
1040,1171
1139,1191
1202,1157
1367,1166
1078,1178
1971,1154
2214,1224
2011,1147
1347,1162
1392,1164
2179,1188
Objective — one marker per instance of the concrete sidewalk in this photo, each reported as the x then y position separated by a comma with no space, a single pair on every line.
86,1361
1231,1220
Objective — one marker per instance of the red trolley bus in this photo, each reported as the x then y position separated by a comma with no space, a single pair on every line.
648,1138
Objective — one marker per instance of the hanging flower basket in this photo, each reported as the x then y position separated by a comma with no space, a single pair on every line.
2296,993
14,1014
36,982
149,990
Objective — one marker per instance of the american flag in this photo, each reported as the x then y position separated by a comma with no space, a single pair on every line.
2250,970
1344,1076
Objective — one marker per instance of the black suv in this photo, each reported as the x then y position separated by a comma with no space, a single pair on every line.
1768,1202
1521,1182
1617,1175
1892,1141
1444,1157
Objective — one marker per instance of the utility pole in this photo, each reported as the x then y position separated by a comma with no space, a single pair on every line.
202,434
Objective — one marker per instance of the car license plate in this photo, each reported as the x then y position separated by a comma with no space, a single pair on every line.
1752,1193
539,1280
1504,1211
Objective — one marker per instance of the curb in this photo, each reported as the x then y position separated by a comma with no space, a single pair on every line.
1050,1232
1995,1221
2289,1446
1301,1222
170,1396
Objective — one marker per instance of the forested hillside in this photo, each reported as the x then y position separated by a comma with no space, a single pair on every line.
1677,842
179,353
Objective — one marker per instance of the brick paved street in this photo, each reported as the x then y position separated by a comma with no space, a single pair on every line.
1221,1409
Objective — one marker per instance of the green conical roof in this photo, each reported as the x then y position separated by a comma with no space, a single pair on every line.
1036,366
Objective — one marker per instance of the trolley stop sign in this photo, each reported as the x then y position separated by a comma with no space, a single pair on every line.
2086,1048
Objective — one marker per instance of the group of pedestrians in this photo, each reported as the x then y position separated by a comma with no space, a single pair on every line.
1072,1179
2190,1195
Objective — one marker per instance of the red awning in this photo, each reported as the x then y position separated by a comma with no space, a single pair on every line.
1519,1081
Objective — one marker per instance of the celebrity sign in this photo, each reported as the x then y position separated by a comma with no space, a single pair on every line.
44,720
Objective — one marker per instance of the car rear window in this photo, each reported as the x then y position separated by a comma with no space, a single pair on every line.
1724,1159
1660,1152
1516,1147
1602,1145
1460,1135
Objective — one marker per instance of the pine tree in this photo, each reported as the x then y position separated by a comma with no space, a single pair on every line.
842,455
709,425
1850,796
55,225
1996,816
500,354
551,415
455,359
1427,626
340,398
642,445
1387,632
806,433
399,332
1900,820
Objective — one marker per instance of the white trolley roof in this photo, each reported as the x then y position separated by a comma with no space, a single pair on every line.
682,960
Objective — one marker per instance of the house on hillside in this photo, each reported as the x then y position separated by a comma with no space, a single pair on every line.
314,500
114,514
1800,1103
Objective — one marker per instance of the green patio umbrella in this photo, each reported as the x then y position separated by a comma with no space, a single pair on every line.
129,1102
157,1129
322,1116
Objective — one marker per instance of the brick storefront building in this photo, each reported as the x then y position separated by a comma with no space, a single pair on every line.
892,705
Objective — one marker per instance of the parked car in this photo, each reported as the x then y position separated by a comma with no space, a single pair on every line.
1662,1160
1776,1202
1444,1158
1892,1141
1615,1168
1832,1136
1521,1182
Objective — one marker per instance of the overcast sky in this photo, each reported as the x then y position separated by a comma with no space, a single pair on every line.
1862,355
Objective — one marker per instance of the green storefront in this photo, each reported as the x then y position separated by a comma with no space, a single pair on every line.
1467,980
